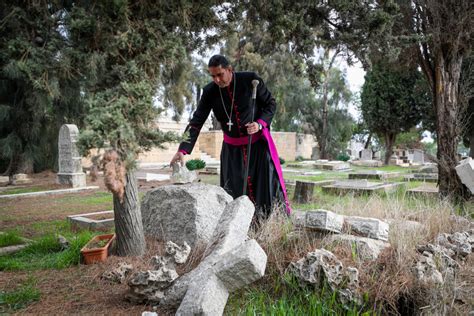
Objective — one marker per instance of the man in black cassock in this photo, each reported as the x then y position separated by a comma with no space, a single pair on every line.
229,97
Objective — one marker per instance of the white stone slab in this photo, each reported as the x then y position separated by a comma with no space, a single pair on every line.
465,171
324,221
52,192
367,227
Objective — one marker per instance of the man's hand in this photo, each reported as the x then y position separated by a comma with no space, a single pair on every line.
252,128
178,157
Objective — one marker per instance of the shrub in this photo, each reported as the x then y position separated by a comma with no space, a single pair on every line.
299,158
343,157
10,239
282,161
195,164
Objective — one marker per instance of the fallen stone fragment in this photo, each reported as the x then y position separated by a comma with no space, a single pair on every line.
325,221
426,271
182,175
208,293
119,274
365,248
367,227
180,254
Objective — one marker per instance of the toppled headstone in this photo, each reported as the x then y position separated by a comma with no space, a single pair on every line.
208,293
206,288
118,274
367,227
366,248
465,171
63,242
323,220
186,213
70,167
182,175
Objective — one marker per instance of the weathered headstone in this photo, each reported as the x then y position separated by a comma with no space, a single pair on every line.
418,156
179,213
303,192
366,154
323,220
368,227
230,262
465,171
366,248
70,168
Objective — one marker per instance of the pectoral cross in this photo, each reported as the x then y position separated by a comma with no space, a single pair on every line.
229,124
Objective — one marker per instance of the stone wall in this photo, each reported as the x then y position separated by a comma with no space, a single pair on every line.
289,144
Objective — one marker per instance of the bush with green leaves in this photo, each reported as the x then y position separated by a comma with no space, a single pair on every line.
282,161
195,164
299,158
343,157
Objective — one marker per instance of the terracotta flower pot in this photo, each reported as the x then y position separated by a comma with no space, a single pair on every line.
97,249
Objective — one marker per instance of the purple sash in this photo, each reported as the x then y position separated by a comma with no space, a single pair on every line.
240,141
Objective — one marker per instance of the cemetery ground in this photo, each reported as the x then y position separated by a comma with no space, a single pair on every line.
46,279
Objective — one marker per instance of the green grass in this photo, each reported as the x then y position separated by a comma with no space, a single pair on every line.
96,198
10,238
22,190
20,297
46,253
287,297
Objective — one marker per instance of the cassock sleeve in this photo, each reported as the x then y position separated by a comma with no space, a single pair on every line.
196,123
266,102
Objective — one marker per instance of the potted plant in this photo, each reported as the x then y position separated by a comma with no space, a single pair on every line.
97,249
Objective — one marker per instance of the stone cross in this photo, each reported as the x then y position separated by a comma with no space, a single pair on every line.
70,168
230,262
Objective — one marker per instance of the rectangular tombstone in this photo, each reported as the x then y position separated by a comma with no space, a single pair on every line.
69,160
366,154
418,156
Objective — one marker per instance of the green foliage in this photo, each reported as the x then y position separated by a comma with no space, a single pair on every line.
20,297
9,239
288,297
282,161
195,164
46,253
342,157
37,90
299,158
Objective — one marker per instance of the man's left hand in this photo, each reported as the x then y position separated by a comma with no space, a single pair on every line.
252,128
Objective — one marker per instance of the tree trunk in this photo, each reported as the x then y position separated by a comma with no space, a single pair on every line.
367,143
471,145
389,141
447,75
303,192
128,221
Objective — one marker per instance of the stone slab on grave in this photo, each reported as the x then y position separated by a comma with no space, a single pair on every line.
93,221
374,175
425,190
323,220
331,165
69,159
4,180
51,192
360,187
367,163
425,177
21,178
367,227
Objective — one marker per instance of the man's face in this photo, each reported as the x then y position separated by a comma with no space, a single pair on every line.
221,76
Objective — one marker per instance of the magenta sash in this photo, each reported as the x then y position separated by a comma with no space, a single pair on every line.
240,141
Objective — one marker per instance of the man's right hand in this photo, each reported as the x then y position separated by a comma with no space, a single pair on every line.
178,157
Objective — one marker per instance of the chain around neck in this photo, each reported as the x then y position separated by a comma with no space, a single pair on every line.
229,116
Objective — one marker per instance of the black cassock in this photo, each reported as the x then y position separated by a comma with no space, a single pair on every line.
265,183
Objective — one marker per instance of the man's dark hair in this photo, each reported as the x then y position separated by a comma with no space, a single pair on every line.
218,60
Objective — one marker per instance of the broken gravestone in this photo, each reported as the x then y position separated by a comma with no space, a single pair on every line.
70,168
182,175
183,213
365,248
367,227
465,171
325,221
229,263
